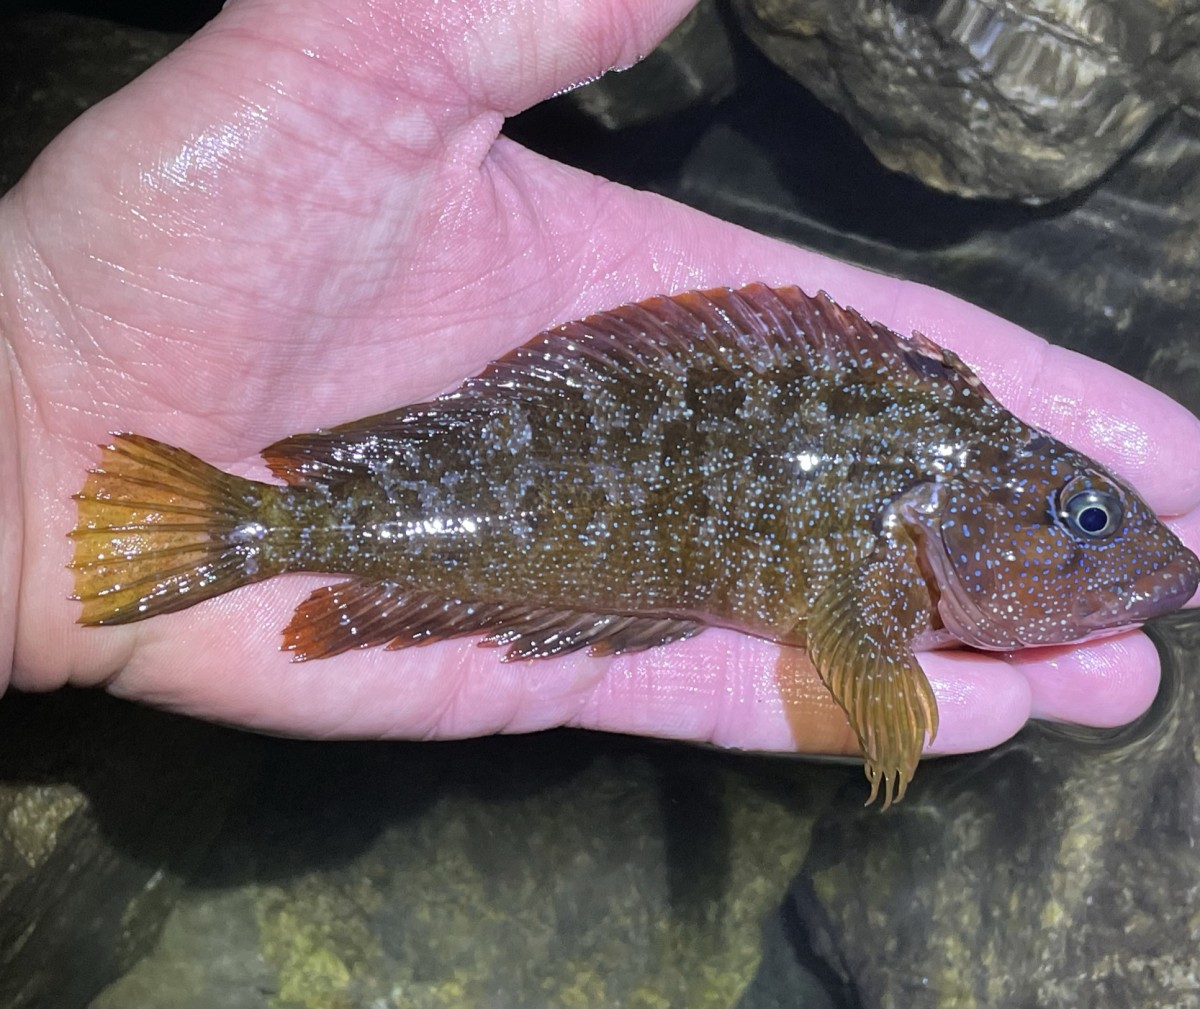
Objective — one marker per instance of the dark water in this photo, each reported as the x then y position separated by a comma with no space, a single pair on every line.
152,862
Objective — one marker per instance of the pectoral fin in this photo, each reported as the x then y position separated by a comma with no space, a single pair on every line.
860,633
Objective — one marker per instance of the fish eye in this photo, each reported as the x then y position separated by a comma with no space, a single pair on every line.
1093,514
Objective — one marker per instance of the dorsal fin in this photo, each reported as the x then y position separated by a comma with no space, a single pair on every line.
755,327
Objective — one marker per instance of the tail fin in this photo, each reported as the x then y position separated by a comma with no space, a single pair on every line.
160,530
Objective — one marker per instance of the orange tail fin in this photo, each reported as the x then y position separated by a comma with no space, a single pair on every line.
160,530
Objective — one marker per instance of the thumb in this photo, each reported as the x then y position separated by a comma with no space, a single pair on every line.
486,55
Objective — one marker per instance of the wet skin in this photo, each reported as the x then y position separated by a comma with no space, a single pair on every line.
210,259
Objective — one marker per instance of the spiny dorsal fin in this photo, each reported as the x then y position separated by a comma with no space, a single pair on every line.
658,340
361,613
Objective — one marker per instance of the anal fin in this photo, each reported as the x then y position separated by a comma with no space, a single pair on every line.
362,614
539,634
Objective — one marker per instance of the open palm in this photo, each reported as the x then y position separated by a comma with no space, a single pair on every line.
305,215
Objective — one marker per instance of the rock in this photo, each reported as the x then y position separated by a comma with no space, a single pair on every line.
104,809
1030,100
565,869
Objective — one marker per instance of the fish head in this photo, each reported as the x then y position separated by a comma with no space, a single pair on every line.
1043,545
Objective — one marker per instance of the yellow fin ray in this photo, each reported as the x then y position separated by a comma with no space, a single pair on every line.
860,634
158,530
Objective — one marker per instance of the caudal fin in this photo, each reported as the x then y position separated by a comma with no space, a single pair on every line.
160,530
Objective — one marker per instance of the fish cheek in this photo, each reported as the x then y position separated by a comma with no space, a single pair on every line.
973,548
968,542
1043,556
1010,582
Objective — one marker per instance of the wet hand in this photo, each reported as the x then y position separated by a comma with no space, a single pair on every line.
307,215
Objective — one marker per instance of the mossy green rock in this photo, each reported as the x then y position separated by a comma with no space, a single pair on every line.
560,870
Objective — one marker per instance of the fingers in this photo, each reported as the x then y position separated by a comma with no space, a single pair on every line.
537,48
470,55
982,700
1103,683
736,692
727,690
11,518
721,688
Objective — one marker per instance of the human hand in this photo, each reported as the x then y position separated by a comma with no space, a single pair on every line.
305,216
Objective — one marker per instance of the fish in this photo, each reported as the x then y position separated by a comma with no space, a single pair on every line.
752,458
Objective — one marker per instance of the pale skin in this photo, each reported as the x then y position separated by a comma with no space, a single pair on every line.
305,216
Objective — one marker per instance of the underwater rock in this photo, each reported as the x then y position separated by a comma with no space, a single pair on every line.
1029,100
560,869
104,807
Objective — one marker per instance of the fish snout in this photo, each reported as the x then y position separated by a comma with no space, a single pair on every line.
1153,595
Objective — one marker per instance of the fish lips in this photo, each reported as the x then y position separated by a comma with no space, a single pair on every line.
1153,595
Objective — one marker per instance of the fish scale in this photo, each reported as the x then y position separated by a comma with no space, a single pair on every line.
756,459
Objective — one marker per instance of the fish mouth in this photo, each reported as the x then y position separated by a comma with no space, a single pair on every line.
1153,595
1109,609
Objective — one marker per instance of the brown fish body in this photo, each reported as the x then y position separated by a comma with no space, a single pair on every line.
755,459
725,489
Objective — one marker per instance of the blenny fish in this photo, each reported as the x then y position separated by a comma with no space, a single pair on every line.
756,459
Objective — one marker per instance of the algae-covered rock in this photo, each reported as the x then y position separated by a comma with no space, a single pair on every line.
561,870
100,820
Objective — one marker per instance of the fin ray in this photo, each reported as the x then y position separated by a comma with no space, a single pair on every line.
656,340
152,532
860,641
359,613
